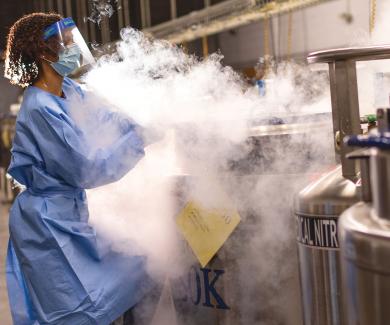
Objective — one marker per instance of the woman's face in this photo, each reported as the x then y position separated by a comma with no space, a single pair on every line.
56,44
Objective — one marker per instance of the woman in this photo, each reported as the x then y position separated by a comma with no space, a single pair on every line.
57,271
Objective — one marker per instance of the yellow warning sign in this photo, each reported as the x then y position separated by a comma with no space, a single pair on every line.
206,230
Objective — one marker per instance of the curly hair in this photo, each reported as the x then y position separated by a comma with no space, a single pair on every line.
24,46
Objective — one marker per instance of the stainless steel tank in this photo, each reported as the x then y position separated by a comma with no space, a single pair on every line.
253,279
7,131
365,236
319,205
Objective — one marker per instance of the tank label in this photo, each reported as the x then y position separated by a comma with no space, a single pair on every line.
206,230
317,231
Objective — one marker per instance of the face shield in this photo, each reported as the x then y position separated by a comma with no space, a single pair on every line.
64,39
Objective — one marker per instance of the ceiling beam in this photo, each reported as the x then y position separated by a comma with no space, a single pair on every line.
224,16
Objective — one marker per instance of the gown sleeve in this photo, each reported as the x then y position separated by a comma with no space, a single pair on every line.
68,155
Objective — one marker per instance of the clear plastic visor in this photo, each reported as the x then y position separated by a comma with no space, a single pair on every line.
64,36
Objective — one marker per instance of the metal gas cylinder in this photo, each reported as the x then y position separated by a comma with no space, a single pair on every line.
319,205
365,236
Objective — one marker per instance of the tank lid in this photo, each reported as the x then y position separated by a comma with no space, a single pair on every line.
371,141
379,140
290,124
287,129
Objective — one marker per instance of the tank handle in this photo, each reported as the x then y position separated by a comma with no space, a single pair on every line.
365,53
344,95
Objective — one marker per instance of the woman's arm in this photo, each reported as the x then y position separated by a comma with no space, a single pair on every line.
68,154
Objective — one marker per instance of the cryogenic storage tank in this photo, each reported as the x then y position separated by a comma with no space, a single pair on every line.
319,205
365,236
253,277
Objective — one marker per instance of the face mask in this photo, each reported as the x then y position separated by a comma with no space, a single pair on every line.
68,60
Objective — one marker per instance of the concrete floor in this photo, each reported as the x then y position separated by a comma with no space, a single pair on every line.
5,317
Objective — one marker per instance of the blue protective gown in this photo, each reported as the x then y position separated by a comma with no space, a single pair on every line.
57,270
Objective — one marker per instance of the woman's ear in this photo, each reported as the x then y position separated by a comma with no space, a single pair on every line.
48,56
48,50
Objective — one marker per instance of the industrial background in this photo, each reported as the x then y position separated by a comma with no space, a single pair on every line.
242,31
